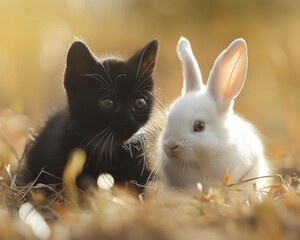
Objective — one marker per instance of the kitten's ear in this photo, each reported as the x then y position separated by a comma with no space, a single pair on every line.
79,58
145,58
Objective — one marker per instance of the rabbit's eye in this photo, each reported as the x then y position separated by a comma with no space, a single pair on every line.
199,126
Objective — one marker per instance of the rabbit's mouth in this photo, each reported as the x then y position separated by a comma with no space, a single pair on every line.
171,149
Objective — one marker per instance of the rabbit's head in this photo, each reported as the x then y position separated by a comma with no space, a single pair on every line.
198,123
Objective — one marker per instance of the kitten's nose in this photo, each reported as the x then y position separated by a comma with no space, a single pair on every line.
128,120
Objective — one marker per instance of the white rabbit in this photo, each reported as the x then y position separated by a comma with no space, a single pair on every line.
204,137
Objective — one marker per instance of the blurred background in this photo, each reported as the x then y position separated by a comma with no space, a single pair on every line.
35,36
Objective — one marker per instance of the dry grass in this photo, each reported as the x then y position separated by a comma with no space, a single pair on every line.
45,212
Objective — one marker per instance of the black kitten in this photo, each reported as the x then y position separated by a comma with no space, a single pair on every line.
108,102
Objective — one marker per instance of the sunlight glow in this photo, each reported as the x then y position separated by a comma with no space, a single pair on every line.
39,227
105,181
200,187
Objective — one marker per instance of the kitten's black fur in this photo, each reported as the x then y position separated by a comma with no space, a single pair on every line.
108,102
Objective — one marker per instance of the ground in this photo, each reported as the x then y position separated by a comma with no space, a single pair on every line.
43,212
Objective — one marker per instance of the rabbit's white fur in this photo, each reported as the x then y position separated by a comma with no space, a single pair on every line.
227,142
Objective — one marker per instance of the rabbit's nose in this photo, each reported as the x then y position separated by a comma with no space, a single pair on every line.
171,145
171,148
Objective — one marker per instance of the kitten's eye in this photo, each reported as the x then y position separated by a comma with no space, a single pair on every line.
140,104
199,126
107,104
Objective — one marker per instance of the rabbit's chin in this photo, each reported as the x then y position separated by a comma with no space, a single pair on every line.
182,174
171,154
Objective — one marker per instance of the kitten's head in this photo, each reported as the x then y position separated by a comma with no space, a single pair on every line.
112,96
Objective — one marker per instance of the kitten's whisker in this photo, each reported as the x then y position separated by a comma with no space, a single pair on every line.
154,86
143,95
107,74
140,141
144,163
93,144
145,71
154,127
120,75
158,101
105,144
91,141
103,147
149,132
112,146
95,150
116,80
141,80
98,77
108,70
99,89
108,145
155,173
146,86
130,150
160,104
147,152
102,133
96,141
138,138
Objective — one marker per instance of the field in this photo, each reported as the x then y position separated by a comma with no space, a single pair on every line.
35,36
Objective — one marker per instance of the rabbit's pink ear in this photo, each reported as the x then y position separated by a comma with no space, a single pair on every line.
228,74
192,79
